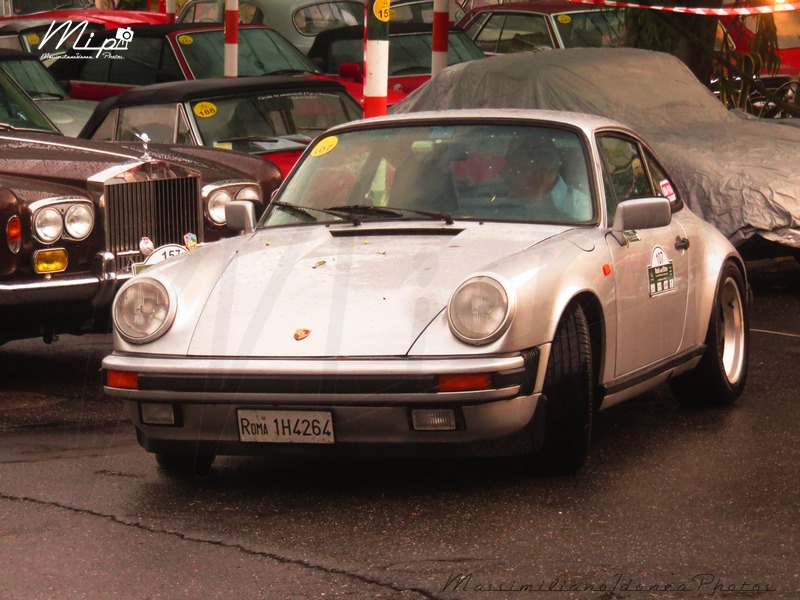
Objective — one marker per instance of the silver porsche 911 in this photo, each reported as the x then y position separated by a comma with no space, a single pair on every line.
462,283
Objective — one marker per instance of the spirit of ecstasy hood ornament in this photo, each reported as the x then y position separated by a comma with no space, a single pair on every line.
146,151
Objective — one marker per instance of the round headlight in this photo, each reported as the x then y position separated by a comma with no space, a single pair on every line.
480,310
216,206
48,225
248,193
78,221
143,310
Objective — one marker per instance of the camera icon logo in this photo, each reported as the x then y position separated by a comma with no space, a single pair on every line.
124,34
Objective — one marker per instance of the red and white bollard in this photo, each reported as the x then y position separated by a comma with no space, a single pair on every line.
376,57
231,38
169,9
441,26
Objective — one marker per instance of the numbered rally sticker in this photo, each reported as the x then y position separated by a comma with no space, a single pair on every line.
564,19
382,10
660,273
205,110
33,38
667,191
185,39
325,146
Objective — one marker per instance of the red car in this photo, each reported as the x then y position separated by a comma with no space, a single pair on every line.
271,117
179,52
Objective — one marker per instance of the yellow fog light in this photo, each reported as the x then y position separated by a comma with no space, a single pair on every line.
50,261
433,420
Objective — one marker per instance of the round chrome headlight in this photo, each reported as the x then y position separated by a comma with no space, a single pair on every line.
480,310
78,221
216,206
144,310
48,225
248,193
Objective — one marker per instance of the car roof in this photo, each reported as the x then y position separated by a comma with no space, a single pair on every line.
548,7
186,91
557,117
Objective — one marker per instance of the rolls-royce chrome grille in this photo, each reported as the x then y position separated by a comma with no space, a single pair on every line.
163,210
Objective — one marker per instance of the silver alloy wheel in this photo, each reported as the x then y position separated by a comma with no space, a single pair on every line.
732,334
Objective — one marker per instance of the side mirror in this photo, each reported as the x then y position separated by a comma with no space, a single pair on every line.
351,71
641,213
240,215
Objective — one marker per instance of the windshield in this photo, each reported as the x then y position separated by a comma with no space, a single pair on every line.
508,172
592,29
34,78
300,114
18,110
261,52
408,54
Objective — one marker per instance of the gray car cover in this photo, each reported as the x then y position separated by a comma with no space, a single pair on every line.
740,173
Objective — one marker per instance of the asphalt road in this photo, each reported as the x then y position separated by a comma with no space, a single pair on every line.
673,503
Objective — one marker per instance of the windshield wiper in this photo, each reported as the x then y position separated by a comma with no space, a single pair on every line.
306,211
392,211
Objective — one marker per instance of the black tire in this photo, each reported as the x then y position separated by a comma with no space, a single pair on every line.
569,389
188,464
720,376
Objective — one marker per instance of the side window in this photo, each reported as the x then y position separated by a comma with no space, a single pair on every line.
250,13
624,174
202,12
662,183
488,38
105,132
524,33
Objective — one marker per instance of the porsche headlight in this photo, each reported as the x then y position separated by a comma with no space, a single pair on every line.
144,310
48,225
249,192
216,205
78,221
480,310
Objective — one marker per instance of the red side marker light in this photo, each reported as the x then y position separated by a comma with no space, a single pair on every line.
606,270
465,382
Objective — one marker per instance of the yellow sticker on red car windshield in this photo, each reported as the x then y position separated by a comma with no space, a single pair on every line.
185,39
205,109
564,19
325,146
382,10
32,38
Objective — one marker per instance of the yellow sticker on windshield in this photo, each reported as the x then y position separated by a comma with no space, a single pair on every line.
325,146
185,39
204,109
382,10
564,19
32,38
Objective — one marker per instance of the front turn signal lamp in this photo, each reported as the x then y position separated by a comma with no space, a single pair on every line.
53,260
14,234
125,380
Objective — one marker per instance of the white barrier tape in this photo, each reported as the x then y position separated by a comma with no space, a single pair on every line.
717,12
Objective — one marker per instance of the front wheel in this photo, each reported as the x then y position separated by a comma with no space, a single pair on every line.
720,376
569,389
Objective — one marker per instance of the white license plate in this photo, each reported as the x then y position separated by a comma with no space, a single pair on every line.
285,426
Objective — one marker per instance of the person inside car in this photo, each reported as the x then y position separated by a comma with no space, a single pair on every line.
535,188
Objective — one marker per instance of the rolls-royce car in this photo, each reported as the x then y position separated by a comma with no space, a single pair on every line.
454,282
79,217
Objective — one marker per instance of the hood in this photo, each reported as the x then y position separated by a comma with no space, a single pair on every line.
68,114
356,291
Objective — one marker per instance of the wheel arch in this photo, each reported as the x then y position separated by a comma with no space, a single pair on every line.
595,317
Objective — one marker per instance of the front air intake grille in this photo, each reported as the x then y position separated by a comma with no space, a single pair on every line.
163,210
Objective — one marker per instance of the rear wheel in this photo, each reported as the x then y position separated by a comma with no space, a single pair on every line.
720,376
198,465
568,387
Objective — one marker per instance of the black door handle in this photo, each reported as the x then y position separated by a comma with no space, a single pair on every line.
681,243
